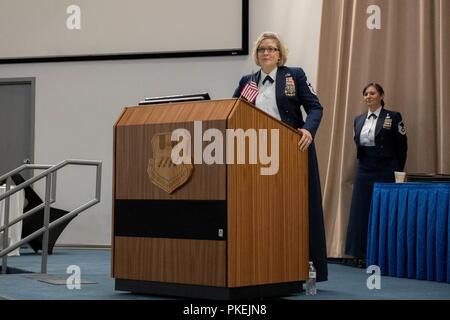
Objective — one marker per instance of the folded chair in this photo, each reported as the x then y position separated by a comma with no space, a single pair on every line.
36,220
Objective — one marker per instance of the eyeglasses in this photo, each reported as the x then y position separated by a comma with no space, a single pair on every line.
269,50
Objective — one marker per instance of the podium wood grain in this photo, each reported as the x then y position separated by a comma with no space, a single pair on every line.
196,262
267,215
134,131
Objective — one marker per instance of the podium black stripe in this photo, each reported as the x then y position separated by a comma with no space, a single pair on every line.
182,219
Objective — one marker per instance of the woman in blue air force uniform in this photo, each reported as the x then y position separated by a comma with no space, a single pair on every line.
282,90
380,138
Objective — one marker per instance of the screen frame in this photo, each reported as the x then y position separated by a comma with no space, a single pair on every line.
150,55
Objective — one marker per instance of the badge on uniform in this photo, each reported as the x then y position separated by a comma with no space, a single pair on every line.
289,88
401,128
387,122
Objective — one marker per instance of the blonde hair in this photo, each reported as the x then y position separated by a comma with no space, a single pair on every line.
283,50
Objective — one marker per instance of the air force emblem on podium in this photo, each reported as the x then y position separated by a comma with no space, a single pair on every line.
161,170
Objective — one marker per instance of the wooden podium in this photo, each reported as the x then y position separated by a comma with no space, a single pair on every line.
216,231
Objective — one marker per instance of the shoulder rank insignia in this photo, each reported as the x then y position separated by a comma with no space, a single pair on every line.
387,122
401,128
311,88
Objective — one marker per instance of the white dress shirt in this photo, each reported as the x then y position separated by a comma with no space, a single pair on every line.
367,135
266,99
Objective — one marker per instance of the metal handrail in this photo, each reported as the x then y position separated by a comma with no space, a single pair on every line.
50,197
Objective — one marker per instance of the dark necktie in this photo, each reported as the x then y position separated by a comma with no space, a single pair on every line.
267,78
373,115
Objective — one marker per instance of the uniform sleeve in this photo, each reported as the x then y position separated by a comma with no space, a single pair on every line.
237,92
401,143
310,103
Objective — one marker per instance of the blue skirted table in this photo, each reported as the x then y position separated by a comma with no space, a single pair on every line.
409,228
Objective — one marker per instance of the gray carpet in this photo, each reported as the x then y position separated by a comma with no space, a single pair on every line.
345,282
56,280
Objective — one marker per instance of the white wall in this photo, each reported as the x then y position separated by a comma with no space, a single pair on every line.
77,103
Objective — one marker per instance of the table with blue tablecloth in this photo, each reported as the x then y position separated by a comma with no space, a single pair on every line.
409,228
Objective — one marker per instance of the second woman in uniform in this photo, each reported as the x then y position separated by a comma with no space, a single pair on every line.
380,138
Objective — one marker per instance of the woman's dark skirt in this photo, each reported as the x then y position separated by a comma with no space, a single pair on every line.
371,169
317,243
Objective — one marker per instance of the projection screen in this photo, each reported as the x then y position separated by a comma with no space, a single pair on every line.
67,30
